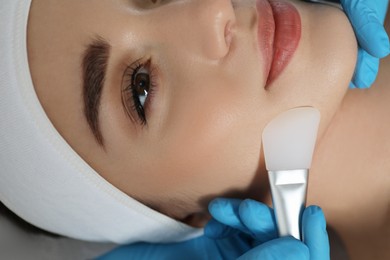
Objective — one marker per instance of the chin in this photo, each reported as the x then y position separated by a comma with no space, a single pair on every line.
322,67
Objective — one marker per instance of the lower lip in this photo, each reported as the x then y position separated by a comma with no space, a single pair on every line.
279,33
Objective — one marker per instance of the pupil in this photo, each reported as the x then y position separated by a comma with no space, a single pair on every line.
142,83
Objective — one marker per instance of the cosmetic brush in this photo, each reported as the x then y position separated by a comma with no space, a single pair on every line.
288,142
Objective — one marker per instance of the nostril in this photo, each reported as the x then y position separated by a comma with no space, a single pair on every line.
228,33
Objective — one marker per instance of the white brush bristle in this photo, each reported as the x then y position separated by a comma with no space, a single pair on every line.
289,139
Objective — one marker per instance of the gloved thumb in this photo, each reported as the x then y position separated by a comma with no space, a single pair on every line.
314,233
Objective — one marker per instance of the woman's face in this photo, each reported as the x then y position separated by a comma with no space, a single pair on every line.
203,65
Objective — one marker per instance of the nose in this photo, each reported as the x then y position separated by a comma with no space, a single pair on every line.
212,23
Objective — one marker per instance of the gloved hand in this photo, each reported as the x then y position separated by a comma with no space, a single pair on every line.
367,17
248,242
257,220
195,249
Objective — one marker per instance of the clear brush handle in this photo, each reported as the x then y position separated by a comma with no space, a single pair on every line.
288,189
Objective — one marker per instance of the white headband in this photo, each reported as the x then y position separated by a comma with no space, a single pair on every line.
42,179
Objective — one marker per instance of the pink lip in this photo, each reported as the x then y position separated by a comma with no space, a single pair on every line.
279,33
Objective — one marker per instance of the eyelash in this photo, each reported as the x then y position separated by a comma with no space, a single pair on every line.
143,4
131,97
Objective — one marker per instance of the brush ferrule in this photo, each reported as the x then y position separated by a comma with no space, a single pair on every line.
288,189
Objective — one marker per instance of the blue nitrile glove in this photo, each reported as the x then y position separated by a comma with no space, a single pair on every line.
235,242
195,249
367,17
257,220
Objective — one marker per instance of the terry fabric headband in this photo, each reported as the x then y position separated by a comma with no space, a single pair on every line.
42,179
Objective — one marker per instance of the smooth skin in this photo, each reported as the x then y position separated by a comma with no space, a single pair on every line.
203,138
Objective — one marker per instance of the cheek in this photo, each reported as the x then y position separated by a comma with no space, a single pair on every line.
212,143
205,169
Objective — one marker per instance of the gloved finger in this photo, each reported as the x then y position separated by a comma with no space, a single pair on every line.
366,70
314,233
217,230
226,211
367,22
351,85
281,248
259,220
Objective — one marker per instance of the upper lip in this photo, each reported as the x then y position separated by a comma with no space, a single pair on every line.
279,35
272,45
266,33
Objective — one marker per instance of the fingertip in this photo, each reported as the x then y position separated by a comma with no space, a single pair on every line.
254,213
219,209
374,39
366,70
253,207
314,232
258,218
316,215
225,211
217,202
314,209
222,205
364,81
214,205
313,223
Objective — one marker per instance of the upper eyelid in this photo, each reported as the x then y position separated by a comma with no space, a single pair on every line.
126,80
131,67
145,4
149,4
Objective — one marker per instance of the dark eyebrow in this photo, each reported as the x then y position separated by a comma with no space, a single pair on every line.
94,66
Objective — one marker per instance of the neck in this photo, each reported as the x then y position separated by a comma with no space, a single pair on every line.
349,176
